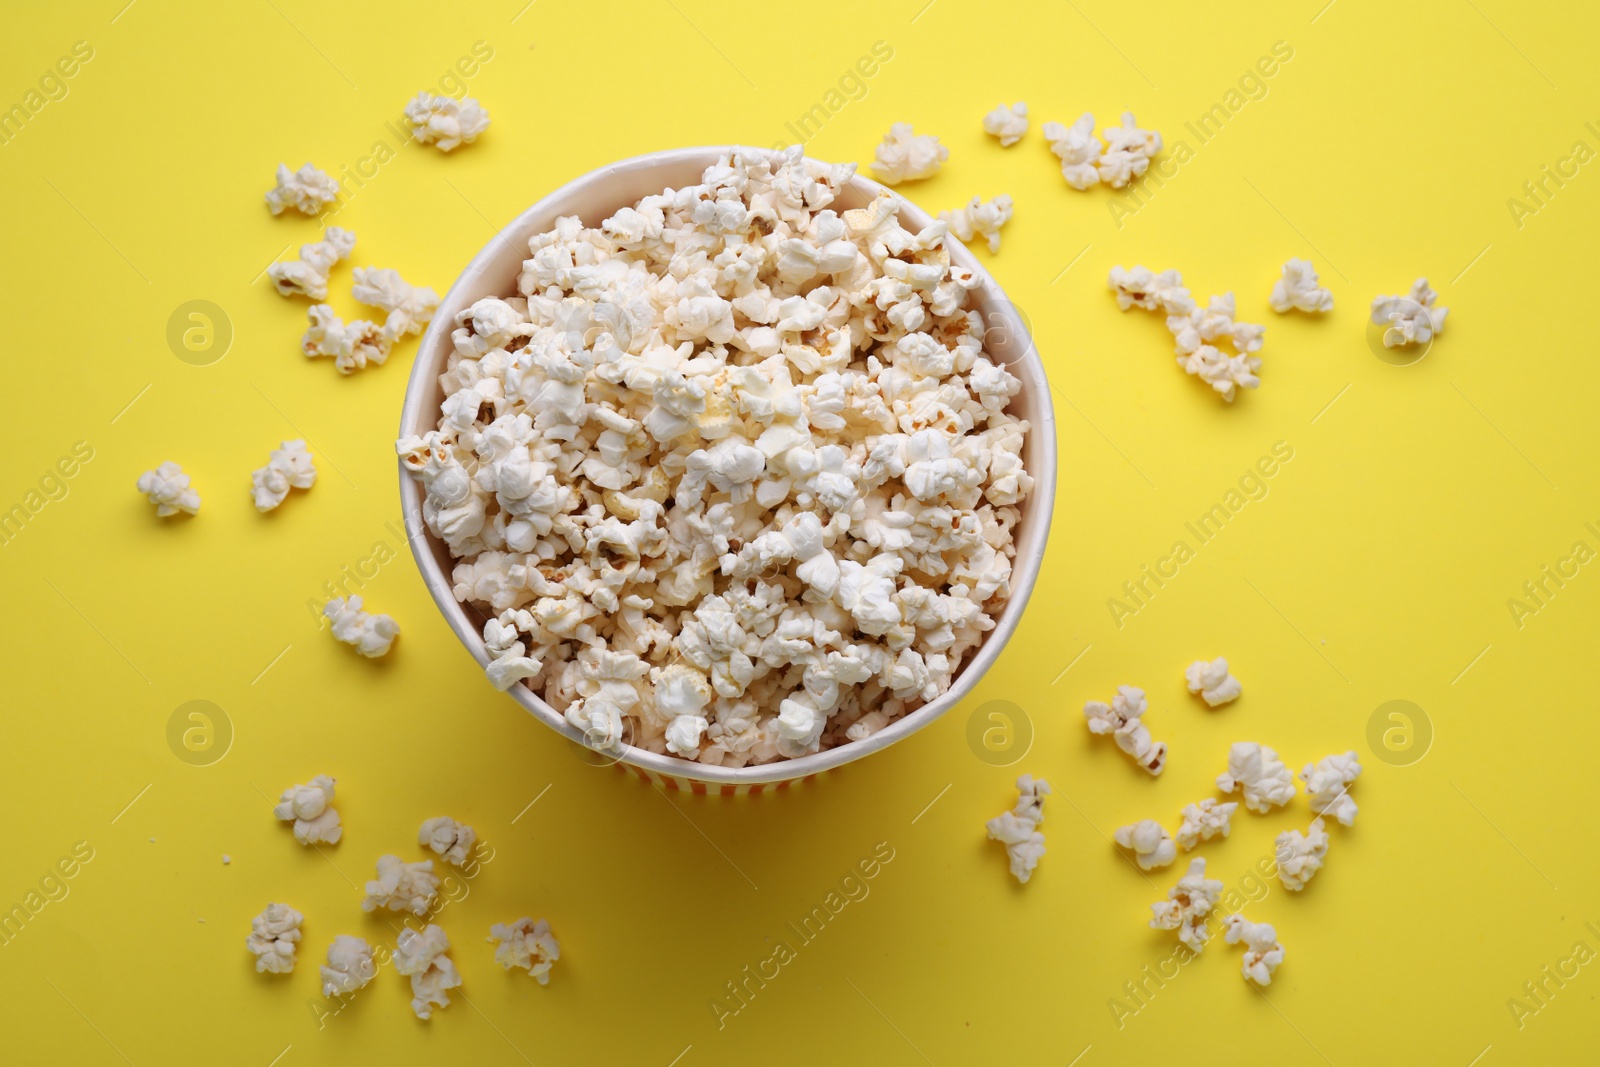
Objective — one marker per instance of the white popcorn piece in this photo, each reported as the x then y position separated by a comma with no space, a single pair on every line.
729,475
1298,289
350,966
307,190
449,839
1205,820
1149,842
351,345
1007,123
526,944
905,156
1257,770
420,956
1128,152
1018,829
1078,149
372,635
1143,288
402,886
1195,328
289,467
1122,719
1262,951
309,807
1300,855
445,122
273,936
1413,319
409,307
1212,681
169,490
978,219
1187,905
1328,784
308,275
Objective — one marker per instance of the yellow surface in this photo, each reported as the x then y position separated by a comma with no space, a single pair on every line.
1377,567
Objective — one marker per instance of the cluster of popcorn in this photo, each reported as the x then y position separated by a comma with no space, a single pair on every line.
1197,330
1412,319
732,475
1018,829
1123,156
445,122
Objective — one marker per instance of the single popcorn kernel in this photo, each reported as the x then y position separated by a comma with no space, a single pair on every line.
402,886
1412,319
350,966
1187,905
420,955
1007,123
1122,720
1298,289
289,467
978,219
168,489
1300,855
526,944
308,275
448,839
372,635
905,156
1149,842
445,122
1257,770
1212,681
307,190
308,807
1262,951
1018,829
273,936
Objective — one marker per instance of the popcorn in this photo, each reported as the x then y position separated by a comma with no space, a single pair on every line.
1078,149
372,635
307,190
1256,769
1149,842
1143,288
1298,289
351,345
421,957
273,936
1195,328
445,122
1121,719
1212,681
308,807
1412,319
168,489
729,475
1300,855
906,157
1205,820
350,966
308,275
287,467
410,308
526,944
1262,951
448,838
1328,784
1085,161
402,886
1187,905
978,219
1018,829
1007,123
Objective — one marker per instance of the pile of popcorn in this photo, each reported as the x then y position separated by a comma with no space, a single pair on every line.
731,474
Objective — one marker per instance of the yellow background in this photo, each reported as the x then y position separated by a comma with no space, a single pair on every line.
1378,567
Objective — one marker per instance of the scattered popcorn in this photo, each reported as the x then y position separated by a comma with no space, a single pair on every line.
907,157
978,219
526,944
308,807
308,275
1122,720
169,490
1266,782
1262,951
1007,123
1412,319
1298,289
731,478
372,635
1018,829
307,190
445,122
287,467
410,308
448,838
350,966
421,957
273,935
1195,328
1149,842
1300,855
1212,681
351,345
402,886
1187,905
1078,149
1205,820
1128,152
1328,784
